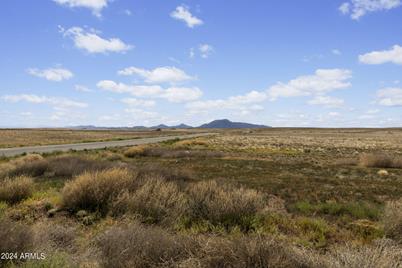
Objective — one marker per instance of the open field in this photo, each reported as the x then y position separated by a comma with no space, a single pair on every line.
241,198
32,137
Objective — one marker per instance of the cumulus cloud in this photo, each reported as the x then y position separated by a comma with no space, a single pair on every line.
165,74
135,90
142,114
56,102
390,97
244,103
183,13
205,50
359,8
327,101
393,55
317,85
172,94
323,81
95,6
138,103
82,88
91,42
182,94
51,74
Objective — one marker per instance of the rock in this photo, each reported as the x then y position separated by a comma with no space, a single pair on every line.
88,220
81,213
383,173
51,212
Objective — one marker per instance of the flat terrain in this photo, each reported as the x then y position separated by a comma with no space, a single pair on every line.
239,198
31,137
92,145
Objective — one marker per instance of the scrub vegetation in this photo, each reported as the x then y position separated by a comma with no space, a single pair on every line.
241,198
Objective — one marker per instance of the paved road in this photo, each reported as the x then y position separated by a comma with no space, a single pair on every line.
92,145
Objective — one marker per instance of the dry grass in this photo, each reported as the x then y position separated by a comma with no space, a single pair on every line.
70,166
50,236
382,254
224,204
94,191
135,151
307,211
191,143
13,190
171,174
155,201
29,137
380,160
138,151
14,238
392,219
30,165
138,246
252,251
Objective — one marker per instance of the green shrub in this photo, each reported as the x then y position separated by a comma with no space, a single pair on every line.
355,210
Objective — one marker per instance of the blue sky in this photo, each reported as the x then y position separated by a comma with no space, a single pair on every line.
320,63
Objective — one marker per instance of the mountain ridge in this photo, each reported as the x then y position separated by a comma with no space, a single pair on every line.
220,123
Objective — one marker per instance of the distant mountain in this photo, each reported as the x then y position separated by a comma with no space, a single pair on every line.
161,126
225,123
182,126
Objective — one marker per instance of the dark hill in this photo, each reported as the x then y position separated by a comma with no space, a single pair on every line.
225,123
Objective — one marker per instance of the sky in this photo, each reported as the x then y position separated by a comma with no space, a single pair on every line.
283,63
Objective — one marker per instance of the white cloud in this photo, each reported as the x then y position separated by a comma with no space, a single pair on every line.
205,50
135,90
82,88
142,114
138,103
334,114
244,103
390,97
191,53
62,103
95,6
359,8
52,74
183,13
323,81
158,75
394,55
182,94
172,94
327,101
93,43
344,8
373,111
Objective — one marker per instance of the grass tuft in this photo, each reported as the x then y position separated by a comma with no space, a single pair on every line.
380,160
13,190
94,191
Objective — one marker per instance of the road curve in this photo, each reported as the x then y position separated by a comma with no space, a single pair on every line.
92,145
